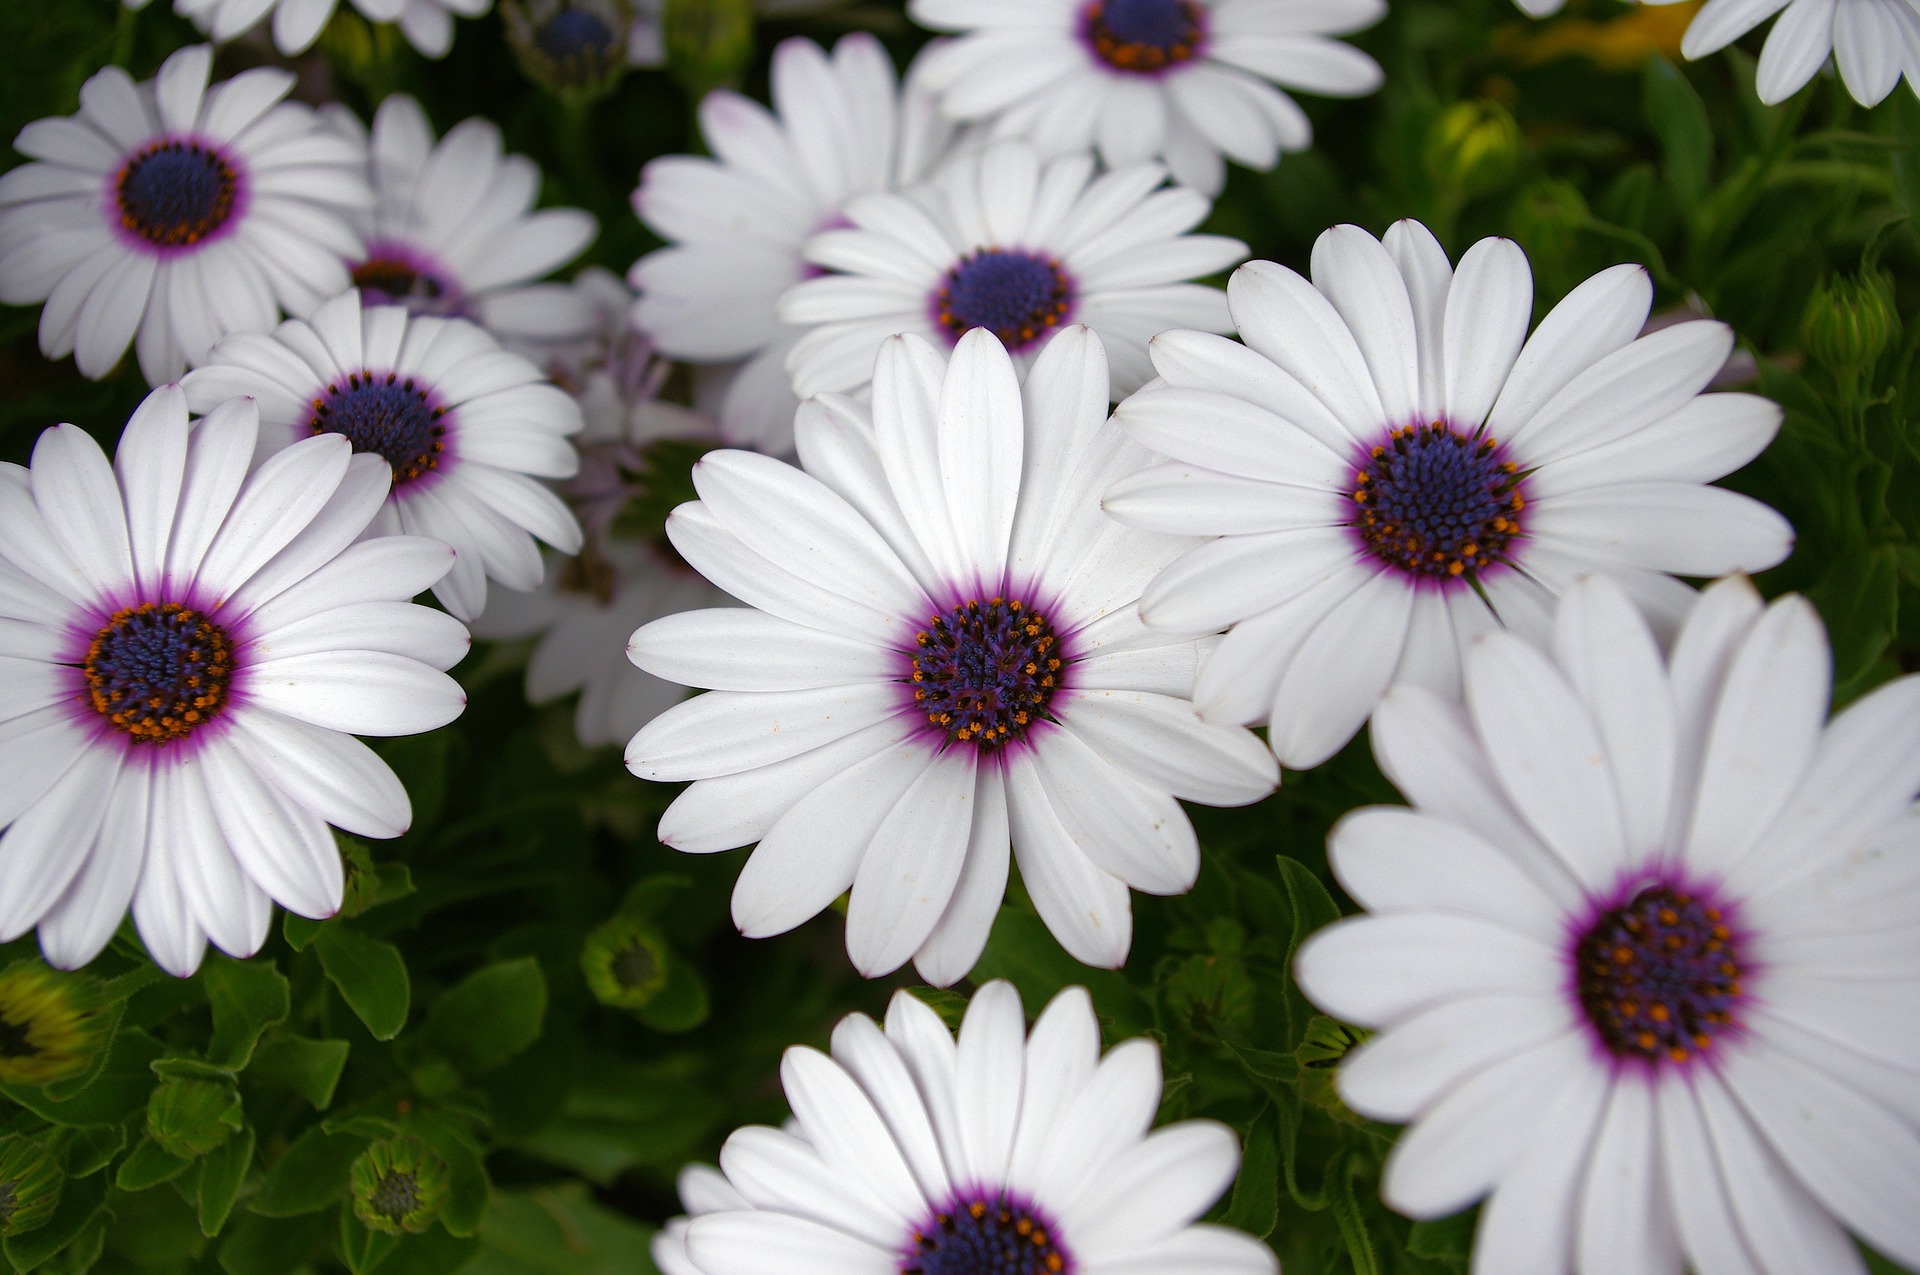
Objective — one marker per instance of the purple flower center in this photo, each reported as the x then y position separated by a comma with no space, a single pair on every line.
389,417
176,192
1143,36
392,277
1437,503
1017,296
158,671
1659,976
982,1233
574,33
984,672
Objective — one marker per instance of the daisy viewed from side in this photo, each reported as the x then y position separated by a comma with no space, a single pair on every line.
453,230
940,660
1002,241
911,1153
190,650
466,427
735,224
1643,956
427,24
1187,81
167,214
1392,466
1871,42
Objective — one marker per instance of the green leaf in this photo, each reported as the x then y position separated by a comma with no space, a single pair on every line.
362,1247
1023,951
1255,1207
562,1231
650,894
247,998
681,1005
1444,1237
1905,110
310,1176
370,975
1860,601
148,1166
310,1068
91,1149
192,1069
80,1203
117,1090
1352,1222
270,1245
1679,120
489,1016
222,1171
467,1185
434,1253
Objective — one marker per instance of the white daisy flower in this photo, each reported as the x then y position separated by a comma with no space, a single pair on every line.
1873,42
736,223
189,651
453,230
1392,466
466,426
1183,80
1003,1153
427,24
941,657
1001,241
167,214
1643,955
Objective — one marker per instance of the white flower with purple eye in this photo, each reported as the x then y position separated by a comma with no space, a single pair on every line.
466,427
1001,241
188,651
427,24
940,660
735,224
1186,81
1004,1153
453,230
167,214
1391,466
1644,955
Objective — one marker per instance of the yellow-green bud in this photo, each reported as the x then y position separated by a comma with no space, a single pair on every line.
53,1024
707,41
189,1117
574,48
1473,147
30,1184
1850,320
625,962
398,1185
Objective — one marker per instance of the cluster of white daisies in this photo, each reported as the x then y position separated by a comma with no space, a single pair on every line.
1641,956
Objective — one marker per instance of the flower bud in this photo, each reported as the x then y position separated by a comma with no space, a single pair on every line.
625,962
1473,147
398,1185
1850,320
573,48
189,1117
707,41
53,1024
30,1185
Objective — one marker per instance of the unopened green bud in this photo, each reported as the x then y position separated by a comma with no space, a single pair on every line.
1850,320
30,1184
574,48
707,41
1212,993
189,1117
398,1185
625,962
1473,147
53,1024
1547,218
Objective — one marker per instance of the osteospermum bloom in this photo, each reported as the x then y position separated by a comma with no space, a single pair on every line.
1184,80
190,650
427,24
1643,956
168,214
736,223
940,658
453,230
1003,1152
999,240
1392,465
465,426
1871,42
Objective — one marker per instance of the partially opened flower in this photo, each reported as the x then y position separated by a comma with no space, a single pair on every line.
167,214
1392,466
736,223
1645,954
466,427
190,650
1873,43
940,661
453,230
1187,81
1002,241
1004,1153
427,24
